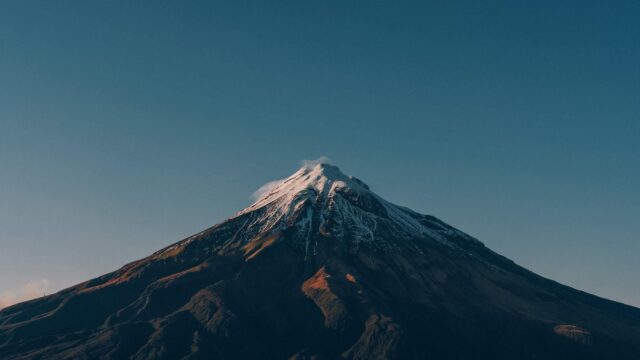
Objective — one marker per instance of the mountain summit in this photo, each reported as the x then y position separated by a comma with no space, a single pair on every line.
320,267
322,200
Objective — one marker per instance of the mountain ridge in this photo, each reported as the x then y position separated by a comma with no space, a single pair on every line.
339,272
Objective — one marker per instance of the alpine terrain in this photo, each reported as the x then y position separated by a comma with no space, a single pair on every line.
320,267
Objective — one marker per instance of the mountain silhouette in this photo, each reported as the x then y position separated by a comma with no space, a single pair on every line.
320,267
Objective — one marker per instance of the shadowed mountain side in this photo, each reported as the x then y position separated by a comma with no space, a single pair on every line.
322,268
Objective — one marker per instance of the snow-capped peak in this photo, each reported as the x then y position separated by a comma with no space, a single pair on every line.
322,179
321,200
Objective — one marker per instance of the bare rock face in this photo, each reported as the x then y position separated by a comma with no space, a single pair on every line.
574,333
320,267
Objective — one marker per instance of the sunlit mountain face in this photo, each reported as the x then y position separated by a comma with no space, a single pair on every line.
320,267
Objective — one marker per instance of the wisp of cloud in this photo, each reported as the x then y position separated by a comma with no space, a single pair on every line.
314,162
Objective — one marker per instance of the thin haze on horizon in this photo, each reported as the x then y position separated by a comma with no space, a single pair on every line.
125,127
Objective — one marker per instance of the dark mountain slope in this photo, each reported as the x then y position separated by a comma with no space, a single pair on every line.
321,267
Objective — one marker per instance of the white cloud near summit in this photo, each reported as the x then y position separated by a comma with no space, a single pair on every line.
314,162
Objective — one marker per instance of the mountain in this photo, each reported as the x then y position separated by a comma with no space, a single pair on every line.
320,267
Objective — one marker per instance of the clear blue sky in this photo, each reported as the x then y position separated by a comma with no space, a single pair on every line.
126,126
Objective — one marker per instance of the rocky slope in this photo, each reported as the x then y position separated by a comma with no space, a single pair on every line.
320,267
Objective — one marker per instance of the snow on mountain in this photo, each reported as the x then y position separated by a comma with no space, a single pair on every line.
320,198
321,267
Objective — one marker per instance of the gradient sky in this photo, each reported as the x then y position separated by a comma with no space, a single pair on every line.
126,126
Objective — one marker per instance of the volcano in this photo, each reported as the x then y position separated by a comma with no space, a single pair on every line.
320,267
